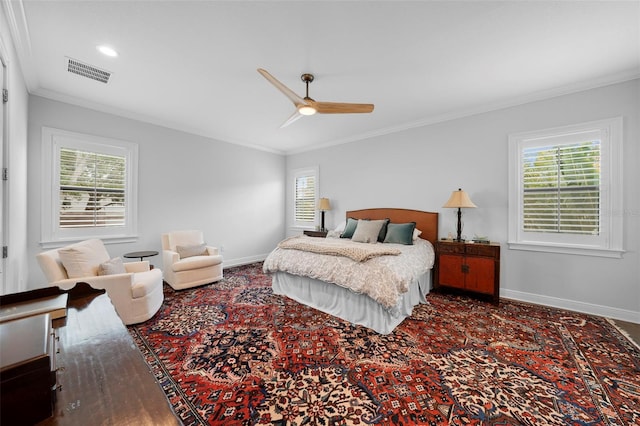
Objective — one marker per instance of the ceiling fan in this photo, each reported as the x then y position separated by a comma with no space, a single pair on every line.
308,106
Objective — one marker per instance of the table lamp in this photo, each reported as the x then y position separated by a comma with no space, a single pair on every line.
459,199
323,205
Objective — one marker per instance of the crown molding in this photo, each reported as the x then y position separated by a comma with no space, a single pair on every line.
19,29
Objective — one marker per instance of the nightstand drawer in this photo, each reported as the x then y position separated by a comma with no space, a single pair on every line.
447,247
481,250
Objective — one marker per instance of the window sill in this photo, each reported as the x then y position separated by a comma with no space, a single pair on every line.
106,240
575,250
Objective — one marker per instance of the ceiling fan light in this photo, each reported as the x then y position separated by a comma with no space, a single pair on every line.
306,110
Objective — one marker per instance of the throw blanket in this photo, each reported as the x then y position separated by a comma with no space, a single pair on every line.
358,252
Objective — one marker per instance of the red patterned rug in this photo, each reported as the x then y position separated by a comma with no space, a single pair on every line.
234,353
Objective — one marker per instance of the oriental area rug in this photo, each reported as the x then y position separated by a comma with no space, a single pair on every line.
234,353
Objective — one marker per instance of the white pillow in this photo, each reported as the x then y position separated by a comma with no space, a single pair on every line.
192,250
82,259
367,231
333,234
340,228
416,234
112,267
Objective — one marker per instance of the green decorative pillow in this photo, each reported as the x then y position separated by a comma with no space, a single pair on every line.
350,228
400,233
368,231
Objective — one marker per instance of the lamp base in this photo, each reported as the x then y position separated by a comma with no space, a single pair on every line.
459,236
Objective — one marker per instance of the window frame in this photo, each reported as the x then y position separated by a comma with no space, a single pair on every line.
53,140
295,174
609,241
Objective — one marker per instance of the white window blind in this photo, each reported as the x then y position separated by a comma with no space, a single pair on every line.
561,185
302,196
565,189
305,199
89,188
92,189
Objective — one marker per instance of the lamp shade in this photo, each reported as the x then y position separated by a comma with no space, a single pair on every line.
459,199
324,204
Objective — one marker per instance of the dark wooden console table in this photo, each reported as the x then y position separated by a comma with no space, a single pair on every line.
102,377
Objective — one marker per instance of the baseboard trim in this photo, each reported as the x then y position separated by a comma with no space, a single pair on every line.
230,263
572,305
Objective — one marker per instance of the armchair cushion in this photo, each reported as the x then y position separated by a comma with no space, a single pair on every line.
196,262
191,250
83,259
112,267
144,283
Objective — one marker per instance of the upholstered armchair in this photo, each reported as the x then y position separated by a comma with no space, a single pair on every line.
188,261
135,290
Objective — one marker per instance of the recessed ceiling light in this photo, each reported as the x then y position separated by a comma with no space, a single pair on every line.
108,51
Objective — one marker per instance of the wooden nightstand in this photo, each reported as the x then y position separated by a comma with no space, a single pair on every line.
321,234
471,267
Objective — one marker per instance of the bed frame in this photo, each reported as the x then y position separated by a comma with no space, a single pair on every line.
427,222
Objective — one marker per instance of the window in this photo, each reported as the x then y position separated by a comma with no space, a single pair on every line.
305,197
565,187
89,188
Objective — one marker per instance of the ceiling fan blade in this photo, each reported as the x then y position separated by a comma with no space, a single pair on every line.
294,117
297,100
341,107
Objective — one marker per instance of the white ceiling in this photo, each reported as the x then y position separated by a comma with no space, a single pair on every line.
191,65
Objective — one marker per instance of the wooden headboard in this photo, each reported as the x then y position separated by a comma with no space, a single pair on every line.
427,222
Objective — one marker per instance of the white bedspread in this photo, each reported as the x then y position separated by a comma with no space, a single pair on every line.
383,278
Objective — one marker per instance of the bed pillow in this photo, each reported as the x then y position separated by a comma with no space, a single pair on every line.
349,228
337,231
193,250
416,234
367,231
383,231
400,233
112,267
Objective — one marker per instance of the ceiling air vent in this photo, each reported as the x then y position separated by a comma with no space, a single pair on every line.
89,71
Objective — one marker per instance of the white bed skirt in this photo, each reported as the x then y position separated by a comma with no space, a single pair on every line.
348,305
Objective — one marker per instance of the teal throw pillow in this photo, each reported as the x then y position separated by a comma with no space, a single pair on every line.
400,233
350,228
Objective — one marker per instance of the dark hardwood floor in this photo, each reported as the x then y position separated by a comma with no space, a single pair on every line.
632,329
104,379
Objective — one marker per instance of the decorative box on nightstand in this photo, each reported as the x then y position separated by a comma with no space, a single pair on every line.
470,267
321,234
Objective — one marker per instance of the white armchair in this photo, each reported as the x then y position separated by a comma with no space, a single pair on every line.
135,290
188,261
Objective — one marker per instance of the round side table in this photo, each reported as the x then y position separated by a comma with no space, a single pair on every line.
140,254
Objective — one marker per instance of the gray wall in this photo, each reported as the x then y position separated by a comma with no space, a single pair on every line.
234,194
418,169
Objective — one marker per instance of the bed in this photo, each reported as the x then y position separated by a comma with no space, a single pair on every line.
318,282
